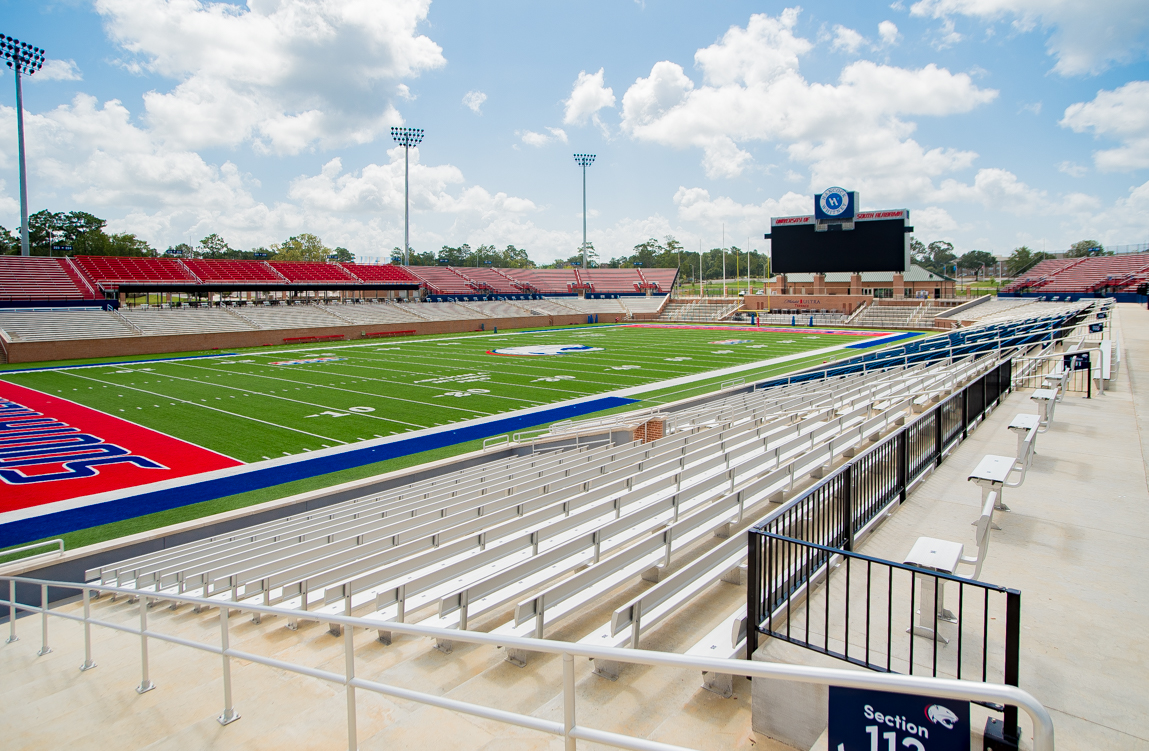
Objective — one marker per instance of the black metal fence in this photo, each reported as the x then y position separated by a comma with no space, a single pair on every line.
793,550
883,615
832,511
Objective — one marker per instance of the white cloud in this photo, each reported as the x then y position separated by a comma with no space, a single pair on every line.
1121,114
92,156
696,206
588,95
1124,221
284,75
997,188
59,70
888,33
531,138
1034,108
932,222
852,132
473,100
847,40
1072,169
1086,38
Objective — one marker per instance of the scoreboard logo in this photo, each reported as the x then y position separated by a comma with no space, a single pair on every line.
835,203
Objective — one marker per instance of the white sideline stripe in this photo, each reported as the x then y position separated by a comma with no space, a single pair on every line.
116,495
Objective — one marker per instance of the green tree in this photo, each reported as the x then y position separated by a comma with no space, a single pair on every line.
46,228
302,248
974,260
1023,259
182,250
9,243
515,258
119,244
343,255
214,246
1083,248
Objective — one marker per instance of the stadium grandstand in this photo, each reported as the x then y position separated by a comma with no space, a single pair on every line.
792,526
44,279
1117,275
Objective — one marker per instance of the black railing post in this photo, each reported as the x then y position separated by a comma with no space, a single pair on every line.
938,434
965,412
755,586
848,504
900,463
1089,374
1011,732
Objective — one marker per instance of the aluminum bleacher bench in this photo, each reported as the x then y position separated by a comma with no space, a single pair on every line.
1047,400
726,640
990,475
945,556
644,613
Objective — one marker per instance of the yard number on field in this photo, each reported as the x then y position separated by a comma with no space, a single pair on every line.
332,413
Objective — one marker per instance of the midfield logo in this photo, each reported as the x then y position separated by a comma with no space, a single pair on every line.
308,361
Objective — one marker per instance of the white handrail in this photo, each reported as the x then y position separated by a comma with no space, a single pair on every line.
1043,734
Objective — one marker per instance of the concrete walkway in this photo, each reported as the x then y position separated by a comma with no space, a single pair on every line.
1076,544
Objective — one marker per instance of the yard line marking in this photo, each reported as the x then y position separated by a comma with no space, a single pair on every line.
213,409
332,368
300,401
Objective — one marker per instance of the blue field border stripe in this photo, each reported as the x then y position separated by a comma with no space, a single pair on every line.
883,341
125,362
61,522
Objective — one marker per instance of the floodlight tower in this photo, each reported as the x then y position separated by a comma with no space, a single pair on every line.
407,137
584,161
24,59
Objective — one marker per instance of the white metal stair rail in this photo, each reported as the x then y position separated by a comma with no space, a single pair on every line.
568,729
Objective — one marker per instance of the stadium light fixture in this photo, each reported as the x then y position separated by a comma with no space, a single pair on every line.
584,161
23,59
407,137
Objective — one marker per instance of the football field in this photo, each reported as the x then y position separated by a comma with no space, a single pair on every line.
262,404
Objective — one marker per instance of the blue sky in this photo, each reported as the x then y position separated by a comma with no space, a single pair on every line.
996,122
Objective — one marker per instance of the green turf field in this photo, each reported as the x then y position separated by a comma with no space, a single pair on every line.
249,408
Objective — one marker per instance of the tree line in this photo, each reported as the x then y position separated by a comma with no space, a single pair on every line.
652,253
940,258
80,233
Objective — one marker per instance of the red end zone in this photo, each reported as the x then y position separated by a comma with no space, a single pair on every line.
52,449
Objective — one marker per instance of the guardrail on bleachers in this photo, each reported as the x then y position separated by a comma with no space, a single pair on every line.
836,511
568,729
873,611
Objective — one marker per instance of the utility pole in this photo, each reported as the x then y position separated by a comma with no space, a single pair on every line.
724,259
407,137
24,59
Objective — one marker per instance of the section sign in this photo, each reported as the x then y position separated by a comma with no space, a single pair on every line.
52,449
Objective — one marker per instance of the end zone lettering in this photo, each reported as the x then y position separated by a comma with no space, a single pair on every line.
55,450
32,445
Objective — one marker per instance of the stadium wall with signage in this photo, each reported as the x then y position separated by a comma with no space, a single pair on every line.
68,349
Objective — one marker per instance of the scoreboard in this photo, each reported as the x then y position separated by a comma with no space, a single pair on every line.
869,241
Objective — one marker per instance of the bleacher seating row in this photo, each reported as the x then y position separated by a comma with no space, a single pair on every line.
51,324
548,533
83,276
1119,273
40,278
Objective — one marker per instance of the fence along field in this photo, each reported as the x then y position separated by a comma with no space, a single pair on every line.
258,405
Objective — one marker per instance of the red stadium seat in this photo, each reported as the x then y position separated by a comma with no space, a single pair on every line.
39,278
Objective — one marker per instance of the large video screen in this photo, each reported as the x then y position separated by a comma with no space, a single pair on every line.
875,245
